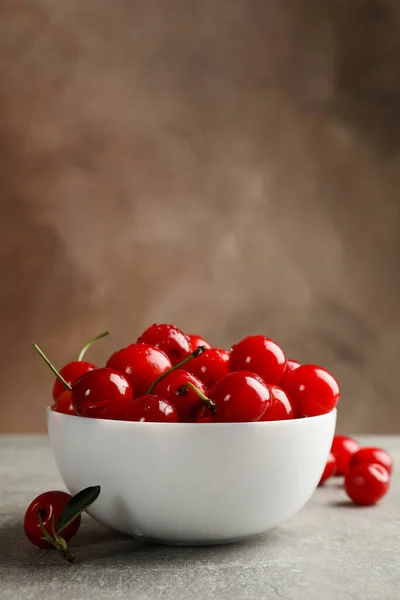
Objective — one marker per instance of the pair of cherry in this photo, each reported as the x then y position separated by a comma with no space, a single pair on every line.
366,471
145,382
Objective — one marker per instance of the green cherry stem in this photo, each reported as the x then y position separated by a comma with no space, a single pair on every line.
210,404
93,341
52,367
199,350
58,542
46,536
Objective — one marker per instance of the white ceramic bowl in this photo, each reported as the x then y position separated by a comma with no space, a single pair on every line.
182,483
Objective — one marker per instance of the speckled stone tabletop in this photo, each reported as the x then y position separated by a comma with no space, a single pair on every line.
330,550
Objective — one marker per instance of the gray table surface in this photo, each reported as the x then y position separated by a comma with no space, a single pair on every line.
330,550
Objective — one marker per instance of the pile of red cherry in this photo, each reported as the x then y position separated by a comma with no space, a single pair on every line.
366,471
167,376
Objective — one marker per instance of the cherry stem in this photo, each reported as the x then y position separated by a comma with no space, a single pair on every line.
93,341
210,404
199,350
46,535
69,557
52,367
58,542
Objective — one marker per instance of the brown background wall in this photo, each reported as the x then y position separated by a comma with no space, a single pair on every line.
232,167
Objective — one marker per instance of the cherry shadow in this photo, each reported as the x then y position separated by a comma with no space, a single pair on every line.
349,504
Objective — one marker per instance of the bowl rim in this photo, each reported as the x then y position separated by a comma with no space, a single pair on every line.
150,424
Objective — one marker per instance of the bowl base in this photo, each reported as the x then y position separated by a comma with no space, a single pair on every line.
217,542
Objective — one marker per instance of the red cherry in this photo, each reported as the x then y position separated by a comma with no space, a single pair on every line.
47,506
63,404
196,341
312,390
343,447
372,455
141,364
330,469
102,394
366,483
150,408
259,355
169,339
187,403
239,397
291,365
211,366
280,408
71,372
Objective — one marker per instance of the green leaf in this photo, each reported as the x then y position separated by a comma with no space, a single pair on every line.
78,503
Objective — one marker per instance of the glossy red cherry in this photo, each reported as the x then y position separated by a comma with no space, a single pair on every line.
169,339
46,506
150,408
343,447
102,394
211,366
239,397
188,404
141,364
259,355
291,365
196,341
280,408
73,370
372,455
312,390
330,468
366,483
63,404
